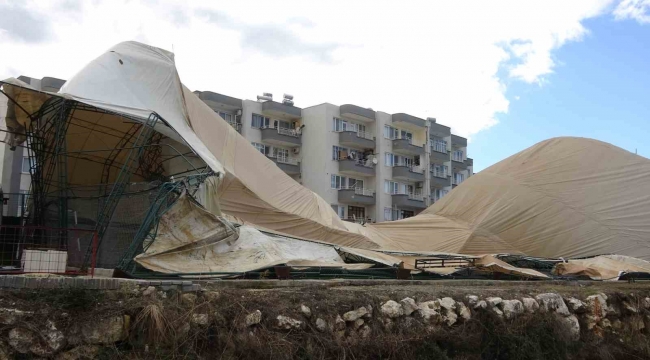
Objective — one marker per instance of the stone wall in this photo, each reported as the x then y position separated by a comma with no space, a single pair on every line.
144,320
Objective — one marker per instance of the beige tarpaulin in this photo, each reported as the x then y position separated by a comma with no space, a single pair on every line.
190,239
604,267
564,197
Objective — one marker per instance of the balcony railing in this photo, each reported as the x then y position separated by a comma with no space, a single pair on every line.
411,195
287,159
359,191
357,220
283,131
288,132
360,134
360,162
438,173
412,168
234,124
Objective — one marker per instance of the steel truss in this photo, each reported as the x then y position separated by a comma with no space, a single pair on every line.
138,152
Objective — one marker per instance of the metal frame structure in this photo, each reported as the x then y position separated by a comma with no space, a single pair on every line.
135,150
167,195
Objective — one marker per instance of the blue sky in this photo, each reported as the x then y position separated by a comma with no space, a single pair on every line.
599,89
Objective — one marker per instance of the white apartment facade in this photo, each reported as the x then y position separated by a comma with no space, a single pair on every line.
370,166
15,178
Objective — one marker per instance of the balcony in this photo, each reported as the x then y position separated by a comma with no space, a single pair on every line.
469,162
356,167
408,173
438,130
438,154
458,165
357,113
289,165
409,201
235,125
458,141
406,147
356,196
219,101
439,179
281,136
280,110
408,121
51,84
357,139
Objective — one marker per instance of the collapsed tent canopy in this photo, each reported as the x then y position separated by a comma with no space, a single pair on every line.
125,126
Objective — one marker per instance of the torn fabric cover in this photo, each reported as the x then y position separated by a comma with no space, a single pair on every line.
191,240
604,267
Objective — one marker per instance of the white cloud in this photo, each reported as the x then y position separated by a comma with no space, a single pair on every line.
638,10
438,59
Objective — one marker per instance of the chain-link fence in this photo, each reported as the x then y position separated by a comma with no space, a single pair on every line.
38,249
83,205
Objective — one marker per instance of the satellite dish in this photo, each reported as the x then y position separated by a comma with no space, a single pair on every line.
374,161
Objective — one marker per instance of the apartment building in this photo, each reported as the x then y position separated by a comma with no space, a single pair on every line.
371,166
16,179
274,128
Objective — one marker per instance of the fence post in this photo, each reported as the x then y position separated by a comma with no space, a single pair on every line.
93,260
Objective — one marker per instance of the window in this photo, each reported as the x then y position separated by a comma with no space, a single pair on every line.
405,214
439,145
27,164
457,155
338,182
281,154
282,124
406,135
339,210
259,121
397,160
340,124
392,187
437,194
355,183
339,152
261,148
409,189
388,214
225,116
22,202
439,170
356,213
458,178
389,159
390,132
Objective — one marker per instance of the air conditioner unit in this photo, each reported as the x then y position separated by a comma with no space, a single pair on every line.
296,150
